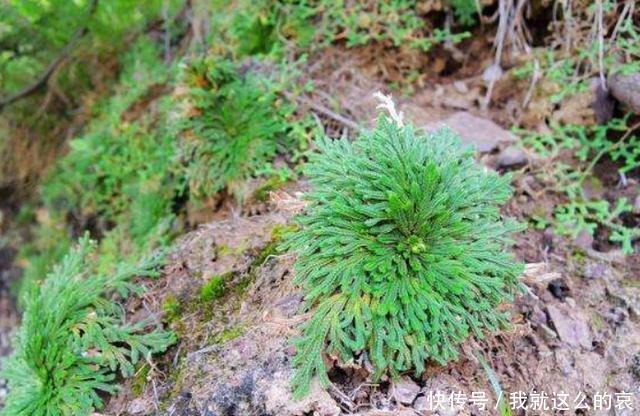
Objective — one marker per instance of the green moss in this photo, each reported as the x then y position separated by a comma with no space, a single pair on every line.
280,230
229,334
140,379
214,288
597,323
631,283
223,250
171,308
272,184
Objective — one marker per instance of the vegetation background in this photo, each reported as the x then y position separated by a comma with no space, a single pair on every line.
127,125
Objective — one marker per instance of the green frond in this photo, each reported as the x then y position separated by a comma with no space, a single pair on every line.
74,338
402,251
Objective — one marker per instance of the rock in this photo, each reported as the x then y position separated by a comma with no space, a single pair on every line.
422,404
483,134
571,325
492,73
512,156
405,390
626,89
584,240
139,406
595,270
278,400
591,367
461,87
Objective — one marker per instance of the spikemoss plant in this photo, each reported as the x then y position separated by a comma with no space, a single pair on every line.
74,339
402,251
235,126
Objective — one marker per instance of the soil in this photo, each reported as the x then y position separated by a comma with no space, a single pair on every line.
575,330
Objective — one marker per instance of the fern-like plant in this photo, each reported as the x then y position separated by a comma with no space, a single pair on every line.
74,339
236,126
402,251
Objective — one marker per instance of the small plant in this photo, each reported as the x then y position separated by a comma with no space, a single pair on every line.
118,177
235,126
213,289
581,212
74,338
268,27
562,74
401,252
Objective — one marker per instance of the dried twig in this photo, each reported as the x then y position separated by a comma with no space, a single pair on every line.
325,111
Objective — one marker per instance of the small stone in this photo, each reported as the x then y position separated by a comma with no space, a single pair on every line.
512,156
481,133
594,270
584,240
139,406
538,316
423,404
570,325
492,73
626,89
405,390
603,104
461,87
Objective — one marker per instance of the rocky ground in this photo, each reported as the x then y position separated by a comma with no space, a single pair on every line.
575,333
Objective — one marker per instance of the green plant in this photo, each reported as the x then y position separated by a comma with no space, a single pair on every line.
575,150
74,338
581,212
401,252
267,27
213,289
171,308
235,126
118,178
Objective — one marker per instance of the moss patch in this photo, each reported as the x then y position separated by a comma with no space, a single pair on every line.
171,308
214,288
140,379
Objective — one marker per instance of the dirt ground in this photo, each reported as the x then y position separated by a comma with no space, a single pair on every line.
575,327
575,330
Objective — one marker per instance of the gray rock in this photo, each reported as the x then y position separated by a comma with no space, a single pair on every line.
483,134
584,240
512,156
140,406
571,325
405,390
626,89
422,404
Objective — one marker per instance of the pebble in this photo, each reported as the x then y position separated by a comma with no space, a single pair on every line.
512,156
483,134
571,325
405,390
626,89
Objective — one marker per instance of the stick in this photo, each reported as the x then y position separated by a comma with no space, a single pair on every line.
324,110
